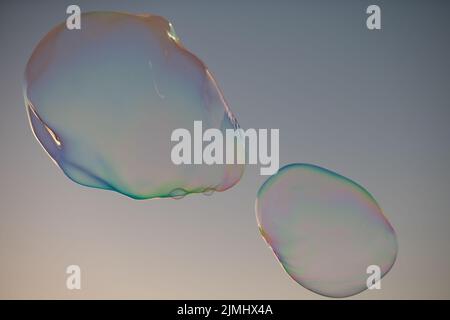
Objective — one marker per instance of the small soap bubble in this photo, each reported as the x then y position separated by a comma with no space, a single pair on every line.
324,229
209,192
104,100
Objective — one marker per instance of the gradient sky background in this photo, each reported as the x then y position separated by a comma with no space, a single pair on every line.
370,105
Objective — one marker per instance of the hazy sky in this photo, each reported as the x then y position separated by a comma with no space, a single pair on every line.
370,105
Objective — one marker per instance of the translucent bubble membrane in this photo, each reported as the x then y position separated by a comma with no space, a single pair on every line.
324,229
104,100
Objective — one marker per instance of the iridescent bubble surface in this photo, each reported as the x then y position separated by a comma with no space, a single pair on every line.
324,229
104,100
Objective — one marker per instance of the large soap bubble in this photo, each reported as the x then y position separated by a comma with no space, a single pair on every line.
324,229
104,100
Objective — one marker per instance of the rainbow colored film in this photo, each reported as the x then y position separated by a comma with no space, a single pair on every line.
324,229
104,100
